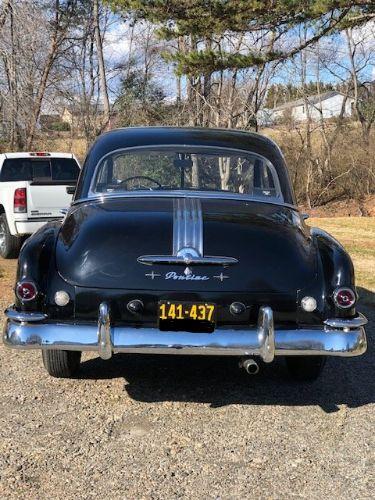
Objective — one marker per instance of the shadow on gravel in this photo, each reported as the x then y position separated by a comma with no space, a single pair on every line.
366,297
219,382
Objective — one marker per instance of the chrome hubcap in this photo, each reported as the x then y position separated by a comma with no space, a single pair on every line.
2,236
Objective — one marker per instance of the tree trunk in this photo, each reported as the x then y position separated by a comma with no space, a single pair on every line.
195,171
102,73
13,85
6,9
224,169
51,57
356,84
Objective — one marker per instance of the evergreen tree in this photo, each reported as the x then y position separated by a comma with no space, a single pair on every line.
204,21
141,100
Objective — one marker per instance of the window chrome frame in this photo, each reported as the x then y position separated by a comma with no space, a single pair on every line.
279,200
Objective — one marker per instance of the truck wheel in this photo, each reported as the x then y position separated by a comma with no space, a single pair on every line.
305,368
9,245
61,364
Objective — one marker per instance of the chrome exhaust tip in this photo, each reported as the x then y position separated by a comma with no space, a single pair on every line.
250,366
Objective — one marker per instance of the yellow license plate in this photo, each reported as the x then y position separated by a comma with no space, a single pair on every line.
197,311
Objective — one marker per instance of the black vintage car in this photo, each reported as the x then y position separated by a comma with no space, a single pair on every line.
185,241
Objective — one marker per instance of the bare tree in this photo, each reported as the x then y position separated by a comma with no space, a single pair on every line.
57,38
4,12
33,37
365,112
102,70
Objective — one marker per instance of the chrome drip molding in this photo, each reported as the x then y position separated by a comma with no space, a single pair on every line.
265,340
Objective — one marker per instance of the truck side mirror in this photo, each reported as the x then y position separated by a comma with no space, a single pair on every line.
70,189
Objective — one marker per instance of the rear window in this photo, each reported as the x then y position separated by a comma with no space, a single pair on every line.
51,170
188,168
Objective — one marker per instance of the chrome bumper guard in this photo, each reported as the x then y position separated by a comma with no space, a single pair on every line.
337,337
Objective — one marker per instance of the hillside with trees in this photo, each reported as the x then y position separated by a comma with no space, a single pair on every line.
73,69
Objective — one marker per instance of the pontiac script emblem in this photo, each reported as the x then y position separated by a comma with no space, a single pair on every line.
187,277
171,275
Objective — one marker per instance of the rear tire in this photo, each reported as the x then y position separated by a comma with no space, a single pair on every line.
9,245
305,368
61,364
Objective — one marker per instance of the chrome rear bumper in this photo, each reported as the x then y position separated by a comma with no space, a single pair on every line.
338,337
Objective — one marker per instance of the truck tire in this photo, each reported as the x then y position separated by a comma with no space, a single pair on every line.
9,245
305,368
61,364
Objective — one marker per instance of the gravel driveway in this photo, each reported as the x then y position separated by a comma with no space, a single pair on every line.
174,427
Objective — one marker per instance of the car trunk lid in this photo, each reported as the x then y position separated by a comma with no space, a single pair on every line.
100,244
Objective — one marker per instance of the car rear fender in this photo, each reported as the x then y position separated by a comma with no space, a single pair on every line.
36,263
337,267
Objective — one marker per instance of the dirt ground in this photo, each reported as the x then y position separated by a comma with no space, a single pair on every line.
344,208
174,427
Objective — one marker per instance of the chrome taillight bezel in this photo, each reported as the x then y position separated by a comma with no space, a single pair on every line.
21,297
344,289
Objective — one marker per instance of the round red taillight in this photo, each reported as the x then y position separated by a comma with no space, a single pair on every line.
26,290
344,298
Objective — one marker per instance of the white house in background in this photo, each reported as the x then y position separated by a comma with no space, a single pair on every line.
325,105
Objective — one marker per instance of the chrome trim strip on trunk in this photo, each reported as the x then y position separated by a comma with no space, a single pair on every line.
187,225
187,247
186,260
263,341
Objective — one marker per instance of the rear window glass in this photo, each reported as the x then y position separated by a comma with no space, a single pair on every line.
64,169
192,168
41,169
46,170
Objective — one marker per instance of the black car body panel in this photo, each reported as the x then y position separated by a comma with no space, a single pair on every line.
93,253
104,240
115,247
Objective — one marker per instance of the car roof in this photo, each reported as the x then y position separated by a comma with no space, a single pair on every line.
131,137
144,136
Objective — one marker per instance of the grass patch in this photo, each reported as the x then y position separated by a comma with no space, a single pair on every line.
357,235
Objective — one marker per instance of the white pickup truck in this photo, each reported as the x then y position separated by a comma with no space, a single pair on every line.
33,191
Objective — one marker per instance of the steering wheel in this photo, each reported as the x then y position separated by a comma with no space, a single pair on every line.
139,177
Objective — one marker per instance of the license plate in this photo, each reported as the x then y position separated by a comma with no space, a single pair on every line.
196,311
